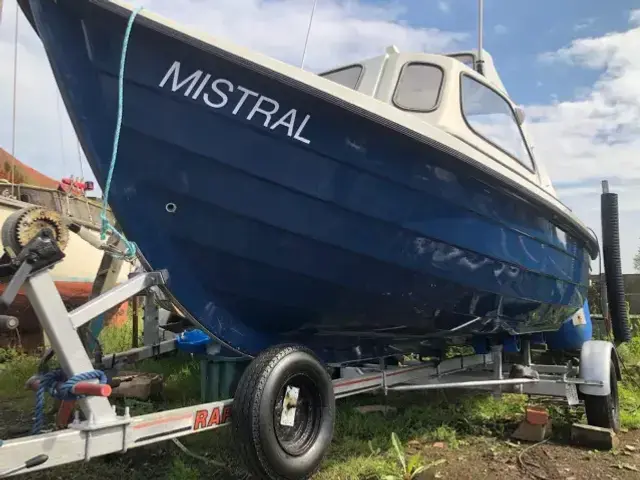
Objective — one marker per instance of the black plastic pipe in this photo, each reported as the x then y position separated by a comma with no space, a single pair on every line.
613,265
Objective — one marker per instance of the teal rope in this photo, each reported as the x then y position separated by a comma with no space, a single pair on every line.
130,247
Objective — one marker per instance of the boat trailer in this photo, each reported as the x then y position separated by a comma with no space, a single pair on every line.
265,386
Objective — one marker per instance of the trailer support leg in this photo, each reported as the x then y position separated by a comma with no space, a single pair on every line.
151,332
526,351
57,325
496,359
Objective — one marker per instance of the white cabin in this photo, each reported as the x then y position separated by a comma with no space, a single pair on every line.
446,91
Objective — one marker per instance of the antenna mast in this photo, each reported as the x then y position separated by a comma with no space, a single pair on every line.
80,160
15,85
61,133
480,61
304,52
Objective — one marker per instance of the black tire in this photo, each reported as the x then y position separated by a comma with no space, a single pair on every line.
604,411
270,450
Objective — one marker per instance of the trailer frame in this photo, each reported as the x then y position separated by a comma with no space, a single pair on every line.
104,431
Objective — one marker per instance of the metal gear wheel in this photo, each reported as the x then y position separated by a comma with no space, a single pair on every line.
22,226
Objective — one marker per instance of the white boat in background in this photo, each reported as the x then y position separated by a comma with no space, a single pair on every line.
74,276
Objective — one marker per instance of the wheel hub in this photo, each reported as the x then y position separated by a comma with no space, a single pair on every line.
297,415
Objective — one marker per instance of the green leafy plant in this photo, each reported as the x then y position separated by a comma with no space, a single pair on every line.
8,354
410,468
374,451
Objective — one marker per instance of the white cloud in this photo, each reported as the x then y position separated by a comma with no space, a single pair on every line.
341,32
39,128
500,30
586,23
444,6
596,135
634,17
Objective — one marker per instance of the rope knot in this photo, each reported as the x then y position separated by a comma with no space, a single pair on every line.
54,384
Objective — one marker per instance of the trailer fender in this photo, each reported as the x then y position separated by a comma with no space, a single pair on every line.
595,358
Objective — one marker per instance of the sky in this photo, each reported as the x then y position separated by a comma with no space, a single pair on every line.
573,65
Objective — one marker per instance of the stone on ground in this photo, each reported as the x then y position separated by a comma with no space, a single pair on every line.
594,437
137,385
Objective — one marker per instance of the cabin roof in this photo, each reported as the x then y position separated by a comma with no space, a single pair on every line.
490,72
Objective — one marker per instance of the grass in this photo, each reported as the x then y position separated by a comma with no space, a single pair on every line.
362,447
114,340
630,387
13,376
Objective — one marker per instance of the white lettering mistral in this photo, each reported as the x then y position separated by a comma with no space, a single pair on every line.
220,93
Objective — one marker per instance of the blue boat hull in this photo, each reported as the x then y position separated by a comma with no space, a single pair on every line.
321,226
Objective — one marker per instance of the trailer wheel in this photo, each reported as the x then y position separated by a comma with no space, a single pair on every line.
283,414
604,411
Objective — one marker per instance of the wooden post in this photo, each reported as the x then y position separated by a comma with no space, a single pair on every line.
135,319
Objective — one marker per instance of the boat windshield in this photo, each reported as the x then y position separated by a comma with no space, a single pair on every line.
491,116
419,87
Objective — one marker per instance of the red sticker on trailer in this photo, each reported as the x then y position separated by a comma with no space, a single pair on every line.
211,418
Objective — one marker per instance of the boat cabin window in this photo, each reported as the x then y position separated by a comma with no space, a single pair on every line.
490,116
465,58
347,76
419,87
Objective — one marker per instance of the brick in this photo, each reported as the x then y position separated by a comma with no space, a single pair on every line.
594,437
537,416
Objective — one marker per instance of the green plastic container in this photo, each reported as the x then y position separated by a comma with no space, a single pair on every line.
219,377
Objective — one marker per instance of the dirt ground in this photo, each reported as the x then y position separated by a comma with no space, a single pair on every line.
497,459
